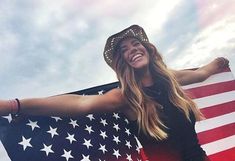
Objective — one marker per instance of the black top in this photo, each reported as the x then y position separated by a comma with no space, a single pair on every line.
182,139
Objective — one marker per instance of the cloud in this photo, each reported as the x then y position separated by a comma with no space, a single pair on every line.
177,32
211,11
184,43
214,41
51,47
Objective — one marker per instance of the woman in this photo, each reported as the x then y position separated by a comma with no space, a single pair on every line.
149,95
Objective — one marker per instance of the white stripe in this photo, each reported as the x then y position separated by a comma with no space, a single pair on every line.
215,99
138,143
216,78
3,153
215,122
219,145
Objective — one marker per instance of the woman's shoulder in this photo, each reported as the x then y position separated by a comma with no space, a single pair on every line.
115,95
114,92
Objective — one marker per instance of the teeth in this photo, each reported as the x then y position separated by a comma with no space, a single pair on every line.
135,57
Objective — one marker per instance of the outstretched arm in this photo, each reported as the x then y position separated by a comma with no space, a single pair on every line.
67,105
185,77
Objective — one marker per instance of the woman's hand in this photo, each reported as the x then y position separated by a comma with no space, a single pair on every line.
185,77
216,66
220,63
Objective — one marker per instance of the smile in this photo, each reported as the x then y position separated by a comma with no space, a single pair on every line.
136,57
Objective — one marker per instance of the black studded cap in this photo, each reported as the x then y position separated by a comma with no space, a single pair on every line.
132,31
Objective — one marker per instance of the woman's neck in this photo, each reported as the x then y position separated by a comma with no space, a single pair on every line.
145,76
147,79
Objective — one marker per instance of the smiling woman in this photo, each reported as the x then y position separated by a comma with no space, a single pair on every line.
134,53
150,96
165,116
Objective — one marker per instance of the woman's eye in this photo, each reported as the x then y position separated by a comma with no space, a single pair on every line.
136,43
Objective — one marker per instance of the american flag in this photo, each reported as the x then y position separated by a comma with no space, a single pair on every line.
94,137
216,99
109,136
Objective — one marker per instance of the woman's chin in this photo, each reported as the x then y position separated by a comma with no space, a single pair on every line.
139,65
142,67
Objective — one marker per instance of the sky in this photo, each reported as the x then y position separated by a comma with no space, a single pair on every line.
54,47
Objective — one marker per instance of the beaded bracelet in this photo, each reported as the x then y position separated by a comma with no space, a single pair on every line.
15,106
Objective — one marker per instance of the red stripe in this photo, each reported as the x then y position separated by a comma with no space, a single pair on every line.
143,155
227,155
212,89
216,134
217,110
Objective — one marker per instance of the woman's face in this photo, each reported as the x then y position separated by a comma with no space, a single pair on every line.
134,53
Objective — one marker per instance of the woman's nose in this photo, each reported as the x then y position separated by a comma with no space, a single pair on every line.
133,50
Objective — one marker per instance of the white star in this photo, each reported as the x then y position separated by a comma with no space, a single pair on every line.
138,148
67,155
8,117
70,138
85,158
116,139
89,129
116,153
87,143
116,126
103,134
33,124
56,118
91,117
128,144
129,157
101,92
52,132
116,116
25,143
103,122
127,131
126,121
102,147
74,123
47,149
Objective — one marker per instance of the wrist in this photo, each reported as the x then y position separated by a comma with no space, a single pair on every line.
14,106
5,107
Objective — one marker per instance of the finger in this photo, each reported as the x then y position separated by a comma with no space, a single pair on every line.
222,62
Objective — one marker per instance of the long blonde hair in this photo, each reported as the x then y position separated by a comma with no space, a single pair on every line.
145,107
